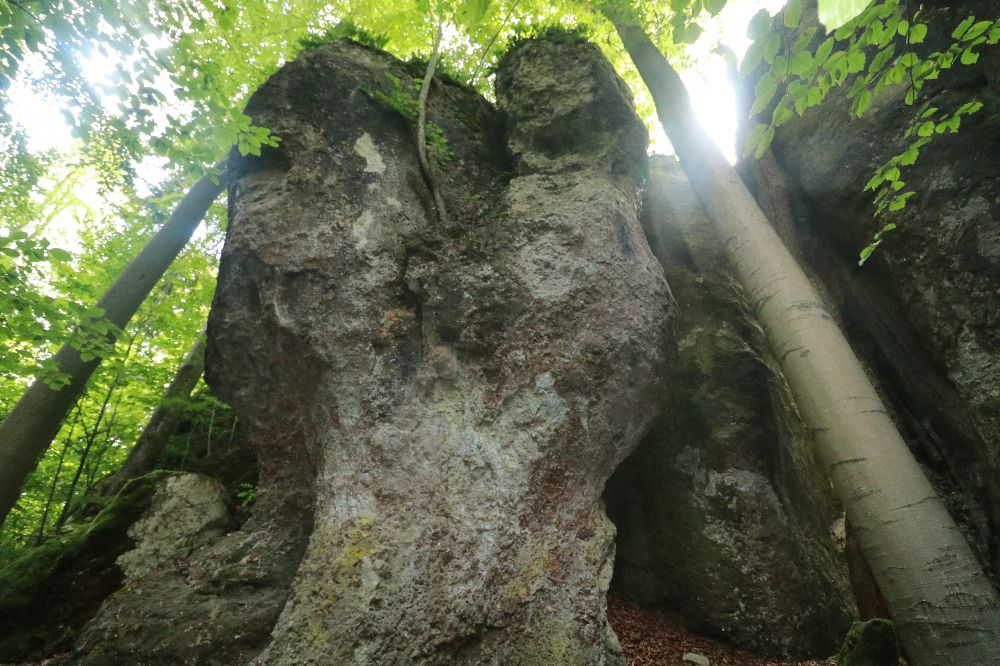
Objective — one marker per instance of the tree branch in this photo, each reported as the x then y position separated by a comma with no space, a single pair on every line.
425,165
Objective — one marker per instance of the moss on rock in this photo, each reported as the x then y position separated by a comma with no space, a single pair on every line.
871,643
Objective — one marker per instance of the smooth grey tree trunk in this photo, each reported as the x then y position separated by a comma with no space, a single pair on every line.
36,418
945,610
164,421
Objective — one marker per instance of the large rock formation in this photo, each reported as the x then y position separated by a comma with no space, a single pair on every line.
925,310
435,407
724,517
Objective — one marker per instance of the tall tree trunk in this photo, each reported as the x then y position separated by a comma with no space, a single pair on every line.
143,456
945,610
30,427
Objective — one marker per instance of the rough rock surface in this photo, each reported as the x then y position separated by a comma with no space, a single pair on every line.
188,512
435,408
470,386
724,518
925,311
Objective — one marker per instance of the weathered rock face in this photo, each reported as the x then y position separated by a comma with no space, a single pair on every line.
723,515
925,311
436,408
187,512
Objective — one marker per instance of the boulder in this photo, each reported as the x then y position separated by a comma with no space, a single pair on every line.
450,397
436,407
724,516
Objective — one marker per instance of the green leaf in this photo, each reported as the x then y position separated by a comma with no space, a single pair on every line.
759,26
846,30
793,13
910,156
862,102
976,30
804,39
764,92
867,252
765,143
57,254
917,33
772,47
754,137
969,57
752,58
900,202
855,61
802,64
692,32
780,67
782,114
713,7
835,13
962,27
472,12
824,50
969,108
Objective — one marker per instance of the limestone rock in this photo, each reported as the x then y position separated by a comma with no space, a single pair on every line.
188,512
456,396
436,408
723,515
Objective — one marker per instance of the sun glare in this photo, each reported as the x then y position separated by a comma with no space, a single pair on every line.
708,82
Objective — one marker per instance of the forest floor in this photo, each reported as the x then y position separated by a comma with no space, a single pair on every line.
650,639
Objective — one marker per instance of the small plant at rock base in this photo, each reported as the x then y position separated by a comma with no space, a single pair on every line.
246,494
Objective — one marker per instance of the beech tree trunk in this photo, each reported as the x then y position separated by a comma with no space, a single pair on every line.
945,610
36,418
164,421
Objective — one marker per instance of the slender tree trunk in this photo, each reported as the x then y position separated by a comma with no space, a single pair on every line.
945,610
95,464
425,164
30,427
40,535
164,421
91,438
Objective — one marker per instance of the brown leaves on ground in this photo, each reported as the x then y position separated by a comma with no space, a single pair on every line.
652,640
